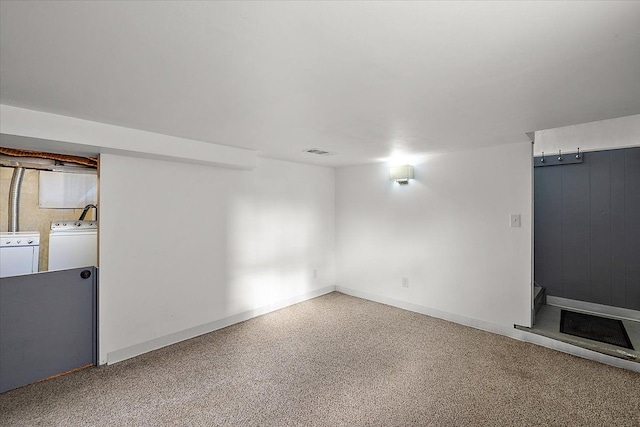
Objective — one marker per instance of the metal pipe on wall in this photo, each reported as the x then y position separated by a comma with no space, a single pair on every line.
14,199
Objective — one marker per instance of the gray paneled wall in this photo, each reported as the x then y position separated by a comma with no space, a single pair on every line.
587,228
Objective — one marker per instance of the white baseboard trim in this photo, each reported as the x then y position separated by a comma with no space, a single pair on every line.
154,344
455,318
591,307
147,346
508,331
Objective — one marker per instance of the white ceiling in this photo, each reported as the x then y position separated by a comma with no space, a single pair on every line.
364,80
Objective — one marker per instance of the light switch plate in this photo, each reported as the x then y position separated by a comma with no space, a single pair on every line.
514,220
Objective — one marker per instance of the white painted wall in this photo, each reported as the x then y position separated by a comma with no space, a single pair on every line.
601,135
184,247
448,231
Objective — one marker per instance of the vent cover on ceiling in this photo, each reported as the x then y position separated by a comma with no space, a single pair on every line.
318,152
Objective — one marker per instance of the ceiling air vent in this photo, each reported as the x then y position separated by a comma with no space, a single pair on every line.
318,152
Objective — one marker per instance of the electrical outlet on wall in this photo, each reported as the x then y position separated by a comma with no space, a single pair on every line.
315,273
405,282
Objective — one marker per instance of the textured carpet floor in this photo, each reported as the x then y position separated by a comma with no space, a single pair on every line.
337,360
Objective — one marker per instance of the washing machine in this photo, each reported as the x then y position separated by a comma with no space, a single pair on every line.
73,244
19,253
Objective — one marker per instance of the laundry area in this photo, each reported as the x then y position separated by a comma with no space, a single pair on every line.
48,265
51,208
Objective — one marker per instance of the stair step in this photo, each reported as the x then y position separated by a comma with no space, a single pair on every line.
540,298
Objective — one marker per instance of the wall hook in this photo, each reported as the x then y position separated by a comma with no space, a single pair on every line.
578,154
542,159
559,155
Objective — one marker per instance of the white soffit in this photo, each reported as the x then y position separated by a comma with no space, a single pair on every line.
34,130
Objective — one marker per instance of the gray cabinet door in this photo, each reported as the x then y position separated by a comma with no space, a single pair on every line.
47,325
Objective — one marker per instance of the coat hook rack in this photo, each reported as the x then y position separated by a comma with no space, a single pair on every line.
558,160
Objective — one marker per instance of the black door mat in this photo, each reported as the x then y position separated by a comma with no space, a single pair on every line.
610,331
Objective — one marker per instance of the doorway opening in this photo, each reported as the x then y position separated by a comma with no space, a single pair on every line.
48,265
586,249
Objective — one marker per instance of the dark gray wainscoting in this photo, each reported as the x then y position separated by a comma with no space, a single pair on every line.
587,228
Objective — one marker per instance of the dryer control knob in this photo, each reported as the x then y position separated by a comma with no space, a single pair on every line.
29,241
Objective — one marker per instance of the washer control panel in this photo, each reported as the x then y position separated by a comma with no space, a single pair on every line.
19,239
70,225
